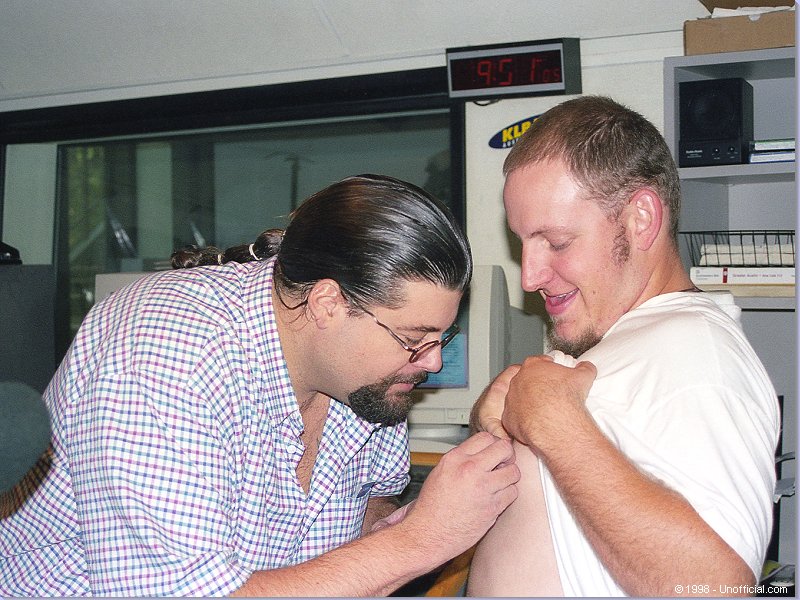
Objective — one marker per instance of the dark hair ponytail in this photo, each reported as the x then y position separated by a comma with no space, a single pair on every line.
266,245
369,233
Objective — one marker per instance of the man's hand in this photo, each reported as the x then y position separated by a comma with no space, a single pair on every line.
544,399
462,496
459,502
487,412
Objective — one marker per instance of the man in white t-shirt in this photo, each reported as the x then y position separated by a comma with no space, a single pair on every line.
648,465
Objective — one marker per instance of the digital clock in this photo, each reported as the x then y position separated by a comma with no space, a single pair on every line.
521,69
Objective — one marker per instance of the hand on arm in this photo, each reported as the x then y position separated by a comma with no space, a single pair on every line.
487,412
647,535
543,397
459,502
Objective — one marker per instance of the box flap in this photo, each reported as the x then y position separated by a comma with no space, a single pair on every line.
733,4
737,34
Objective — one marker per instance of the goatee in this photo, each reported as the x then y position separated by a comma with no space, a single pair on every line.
574,347
374,404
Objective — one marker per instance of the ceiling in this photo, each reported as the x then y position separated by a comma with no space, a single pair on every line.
56,51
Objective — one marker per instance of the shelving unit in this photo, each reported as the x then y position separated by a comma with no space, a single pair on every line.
750,196
733,174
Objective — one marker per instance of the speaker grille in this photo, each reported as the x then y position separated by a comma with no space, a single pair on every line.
716,121
716,109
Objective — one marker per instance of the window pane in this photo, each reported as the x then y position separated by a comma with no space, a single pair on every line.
130,202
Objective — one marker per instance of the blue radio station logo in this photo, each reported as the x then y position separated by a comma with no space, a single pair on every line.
508,136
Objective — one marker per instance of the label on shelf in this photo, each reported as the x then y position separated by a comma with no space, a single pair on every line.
772,156
766,292
743,275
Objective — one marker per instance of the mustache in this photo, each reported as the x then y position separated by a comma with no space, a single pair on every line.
415,379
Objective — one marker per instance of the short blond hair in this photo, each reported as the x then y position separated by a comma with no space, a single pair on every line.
610,150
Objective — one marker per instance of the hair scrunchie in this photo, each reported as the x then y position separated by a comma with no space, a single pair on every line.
252,253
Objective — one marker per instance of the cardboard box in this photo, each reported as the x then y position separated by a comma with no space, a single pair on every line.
746,32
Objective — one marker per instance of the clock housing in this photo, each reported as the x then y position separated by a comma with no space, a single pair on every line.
519,69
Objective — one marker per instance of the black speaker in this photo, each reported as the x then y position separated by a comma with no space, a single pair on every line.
716,122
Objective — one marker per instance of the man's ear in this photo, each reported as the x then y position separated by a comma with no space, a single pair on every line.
325,302
647,216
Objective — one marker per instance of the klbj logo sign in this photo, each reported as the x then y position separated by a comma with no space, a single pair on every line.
508,136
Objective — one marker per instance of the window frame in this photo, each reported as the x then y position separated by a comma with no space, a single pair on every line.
382,93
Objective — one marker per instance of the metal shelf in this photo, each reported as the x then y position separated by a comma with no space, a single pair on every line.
748,173
772,63
766,303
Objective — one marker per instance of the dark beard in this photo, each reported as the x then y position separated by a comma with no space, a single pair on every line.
372,404
576,347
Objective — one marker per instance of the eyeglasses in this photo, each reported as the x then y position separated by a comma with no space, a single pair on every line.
423,349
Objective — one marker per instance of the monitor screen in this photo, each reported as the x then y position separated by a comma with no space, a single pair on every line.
455,358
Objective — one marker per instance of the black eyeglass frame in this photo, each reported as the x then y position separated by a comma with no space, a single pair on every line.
422,349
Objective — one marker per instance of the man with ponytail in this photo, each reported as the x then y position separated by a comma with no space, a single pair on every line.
237,425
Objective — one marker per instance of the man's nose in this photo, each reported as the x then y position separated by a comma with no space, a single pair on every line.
431,360
536,269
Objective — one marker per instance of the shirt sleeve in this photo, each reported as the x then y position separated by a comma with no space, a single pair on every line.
157,517
390,469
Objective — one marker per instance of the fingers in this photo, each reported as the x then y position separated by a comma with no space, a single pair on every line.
490,450
506,475
587,373
393,518
495,427
486,479
534,360
487,412
544,399
507,375
506,494
489,455
583,371
476,443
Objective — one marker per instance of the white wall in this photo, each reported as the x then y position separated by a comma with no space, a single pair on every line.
80,51
628,69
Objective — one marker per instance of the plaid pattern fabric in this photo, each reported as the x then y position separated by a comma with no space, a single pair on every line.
176,437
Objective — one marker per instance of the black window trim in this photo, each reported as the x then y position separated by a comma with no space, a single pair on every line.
381,93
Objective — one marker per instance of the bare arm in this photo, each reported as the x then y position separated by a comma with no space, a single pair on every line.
459,501
647,535
374,565
516,557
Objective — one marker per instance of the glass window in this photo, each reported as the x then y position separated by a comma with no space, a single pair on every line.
125,204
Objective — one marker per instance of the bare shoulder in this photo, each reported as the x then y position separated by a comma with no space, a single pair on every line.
516,556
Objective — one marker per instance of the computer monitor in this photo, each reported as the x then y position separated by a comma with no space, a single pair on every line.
494,335
107,283
27,346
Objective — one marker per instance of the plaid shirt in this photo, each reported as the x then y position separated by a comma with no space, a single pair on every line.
176,437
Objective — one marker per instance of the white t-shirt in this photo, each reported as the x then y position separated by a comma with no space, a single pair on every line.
682,393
